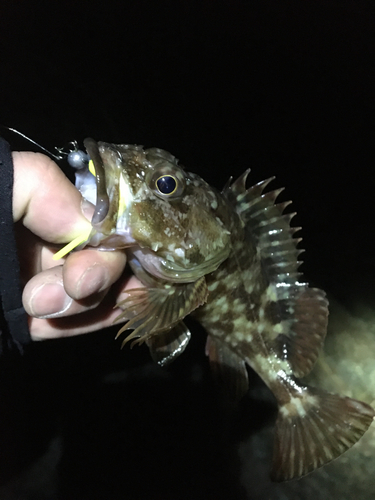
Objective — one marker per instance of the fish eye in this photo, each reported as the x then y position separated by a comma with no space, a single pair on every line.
166,184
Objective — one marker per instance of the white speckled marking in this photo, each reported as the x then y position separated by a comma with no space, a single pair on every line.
239,336
264,367
239,306
278,328
212,286
298,406
240,323
260,327
271,293
180,252
221,300
215,318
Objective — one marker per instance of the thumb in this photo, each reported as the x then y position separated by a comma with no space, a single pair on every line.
45,199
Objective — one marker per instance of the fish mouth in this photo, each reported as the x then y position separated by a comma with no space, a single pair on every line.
168,270
102,199
110,220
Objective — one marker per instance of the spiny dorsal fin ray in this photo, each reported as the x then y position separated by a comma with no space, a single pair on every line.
299,313
255,207
265,223
315,428
238,186
153,310
228,183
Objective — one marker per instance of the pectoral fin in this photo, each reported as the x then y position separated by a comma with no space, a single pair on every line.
153,310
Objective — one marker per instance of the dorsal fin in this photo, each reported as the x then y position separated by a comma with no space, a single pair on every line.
268,228
300,313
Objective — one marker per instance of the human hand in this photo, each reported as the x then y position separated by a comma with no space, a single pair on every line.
75,294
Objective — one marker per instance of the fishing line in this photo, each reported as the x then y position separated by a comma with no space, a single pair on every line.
77,159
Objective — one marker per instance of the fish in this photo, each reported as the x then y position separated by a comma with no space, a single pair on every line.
231,260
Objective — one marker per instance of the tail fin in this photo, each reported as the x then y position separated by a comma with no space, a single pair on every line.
314,428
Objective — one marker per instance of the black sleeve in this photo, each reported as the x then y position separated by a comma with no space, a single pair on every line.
13,319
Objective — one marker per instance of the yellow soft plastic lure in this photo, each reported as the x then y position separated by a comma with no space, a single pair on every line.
72,245
92,168
81,238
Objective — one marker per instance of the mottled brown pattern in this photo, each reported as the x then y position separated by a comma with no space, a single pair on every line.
239,272
231,259
272,312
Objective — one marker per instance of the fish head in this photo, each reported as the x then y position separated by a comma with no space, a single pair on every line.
168,216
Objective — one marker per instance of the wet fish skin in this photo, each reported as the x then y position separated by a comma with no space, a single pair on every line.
231,259
259,313
180,231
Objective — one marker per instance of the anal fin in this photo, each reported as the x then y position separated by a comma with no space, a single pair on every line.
228,369
314,428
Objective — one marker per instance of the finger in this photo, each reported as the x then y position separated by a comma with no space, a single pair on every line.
101,317
46,200
91,271
44,296
55,291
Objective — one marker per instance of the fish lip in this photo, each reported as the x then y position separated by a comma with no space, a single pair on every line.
206,267
115,241
159,267
156,266
120,196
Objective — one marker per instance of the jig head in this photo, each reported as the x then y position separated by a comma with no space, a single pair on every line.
79,160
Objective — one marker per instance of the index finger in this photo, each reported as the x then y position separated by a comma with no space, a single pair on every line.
46,200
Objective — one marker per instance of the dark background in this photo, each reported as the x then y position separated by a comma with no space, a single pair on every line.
284,87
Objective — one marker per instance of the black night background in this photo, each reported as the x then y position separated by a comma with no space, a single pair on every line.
284,87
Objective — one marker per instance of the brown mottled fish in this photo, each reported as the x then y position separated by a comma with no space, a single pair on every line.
232,259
